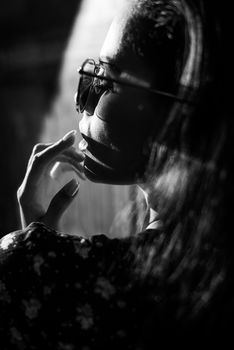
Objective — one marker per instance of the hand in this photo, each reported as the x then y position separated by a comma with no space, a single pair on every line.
37,181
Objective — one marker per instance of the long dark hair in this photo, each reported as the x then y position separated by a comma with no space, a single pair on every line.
191,158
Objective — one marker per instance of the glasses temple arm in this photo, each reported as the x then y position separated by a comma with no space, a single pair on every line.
121,82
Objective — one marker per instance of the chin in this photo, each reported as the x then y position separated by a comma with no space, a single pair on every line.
100,173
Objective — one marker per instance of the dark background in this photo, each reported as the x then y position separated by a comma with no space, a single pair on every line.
33,36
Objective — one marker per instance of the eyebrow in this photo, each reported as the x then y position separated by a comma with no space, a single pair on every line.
128,77
108,61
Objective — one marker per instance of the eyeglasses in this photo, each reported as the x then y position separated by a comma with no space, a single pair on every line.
93,83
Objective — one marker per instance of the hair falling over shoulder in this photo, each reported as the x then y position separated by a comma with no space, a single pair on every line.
191,161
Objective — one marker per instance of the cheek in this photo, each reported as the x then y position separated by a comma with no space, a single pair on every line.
116,136
124,116
114,155
123,106
110,107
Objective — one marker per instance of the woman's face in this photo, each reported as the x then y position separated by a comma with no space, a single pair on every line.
117,128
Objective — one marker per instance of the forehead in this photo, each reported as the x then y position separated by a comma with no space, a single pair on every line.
118,51
112,43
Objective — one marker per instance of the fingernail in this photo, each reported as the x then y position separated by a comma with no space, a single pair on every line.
71,134
72,188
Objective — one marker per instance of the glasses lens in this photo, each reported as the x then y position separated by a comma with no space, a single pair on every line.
85,85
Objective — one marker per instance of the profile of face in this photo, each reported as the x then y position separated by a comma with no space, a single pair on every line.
117,127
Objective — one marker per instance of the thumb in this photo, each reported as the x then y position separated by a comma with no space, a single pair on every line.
60,203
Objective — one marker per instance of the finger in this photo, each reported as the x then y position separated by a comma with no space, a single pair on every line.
38,148
70,155
60,203
42,146
76,155
71,150
68,165
43,158
60,168
58,147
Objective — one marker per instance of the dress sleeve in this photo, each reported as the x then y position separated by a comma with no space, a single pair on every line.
44,281
58,291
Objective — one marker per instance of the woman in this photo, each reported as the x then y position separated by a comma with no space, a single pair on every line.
153,114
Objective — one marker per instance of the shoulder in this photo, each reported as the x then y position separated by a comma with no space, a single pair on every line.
36,232
35,241
38,245
39,238
62,287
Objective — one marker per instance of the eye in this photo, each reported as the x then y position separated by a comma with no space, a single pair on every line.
101,85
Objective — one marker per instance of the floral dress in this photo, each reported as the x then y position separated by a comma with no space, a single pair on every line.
65,292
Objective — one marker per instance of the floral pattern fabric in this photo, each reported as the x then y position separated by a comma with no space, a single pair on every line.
65,292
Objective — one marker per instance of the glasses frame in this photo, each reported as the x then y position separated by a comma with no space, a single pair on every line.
123,82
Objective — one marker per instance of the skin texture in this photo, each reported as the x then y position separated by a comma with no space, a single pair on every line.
118,130
190,262
32,195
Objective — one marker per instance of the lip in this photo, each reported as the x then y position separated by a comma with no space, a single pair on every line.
83,144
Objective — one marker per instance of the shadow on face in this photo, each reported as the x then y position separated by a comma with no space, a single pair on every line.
124,118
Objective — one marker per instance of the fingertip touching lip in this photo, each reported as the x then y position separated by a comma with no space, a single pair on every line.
83,145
